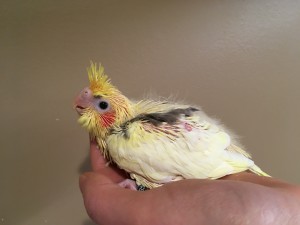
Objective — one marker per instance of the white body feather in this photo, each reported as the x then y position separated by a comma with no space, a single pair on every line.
195,146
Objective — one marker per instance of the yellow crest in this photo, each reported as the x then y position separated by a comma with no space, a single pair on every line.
99,81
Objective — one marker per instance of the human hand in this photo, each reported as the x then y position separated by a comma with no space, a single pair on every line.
242,198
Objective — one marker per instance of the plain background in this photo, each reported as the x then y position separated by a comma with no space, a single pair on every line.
239,60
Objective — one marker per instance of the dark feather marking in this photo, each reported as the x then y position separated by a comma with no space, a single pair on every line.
170,117
156,119
124,129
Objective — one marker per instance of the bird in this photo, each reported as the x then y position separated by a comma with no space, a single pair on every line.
158,141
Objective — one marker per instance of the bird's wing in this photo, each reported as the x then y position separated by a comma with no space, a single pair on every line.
172,145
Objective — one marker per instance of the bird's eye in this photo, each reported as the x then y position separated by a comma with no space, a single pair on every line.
103,105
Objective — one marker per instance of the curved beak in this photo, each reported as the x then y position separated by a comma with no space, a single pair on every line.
83,100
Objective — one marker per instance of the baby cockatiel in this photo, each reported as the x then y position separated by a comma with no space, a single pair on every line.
157,142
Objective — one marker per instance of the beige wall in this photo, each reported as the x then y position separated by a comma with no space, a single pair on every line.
239,60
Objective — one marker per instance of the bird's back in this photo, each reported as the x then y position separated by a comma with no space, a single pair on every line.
164,142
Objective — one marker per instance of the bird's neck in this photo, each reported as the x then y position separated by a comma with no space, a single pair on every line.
124,111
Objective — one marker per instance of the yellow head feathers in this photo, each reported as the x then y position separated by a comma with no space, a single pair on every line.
102,106
120,107
99,81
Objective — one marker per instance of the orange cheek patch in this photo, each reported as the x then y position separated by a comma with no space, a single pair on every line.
107,119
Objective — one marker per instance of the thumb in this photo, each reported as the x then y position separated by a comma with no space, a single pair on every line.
97,159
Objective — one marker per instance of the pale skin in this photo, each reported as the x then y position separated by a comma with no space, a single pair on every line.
238,199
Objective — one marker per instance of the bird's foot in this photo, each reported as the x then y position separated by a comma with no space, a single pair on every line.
128,184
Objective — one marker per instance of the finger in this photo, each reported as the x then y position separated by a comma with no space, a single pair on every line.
104,199
89,180
97,159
